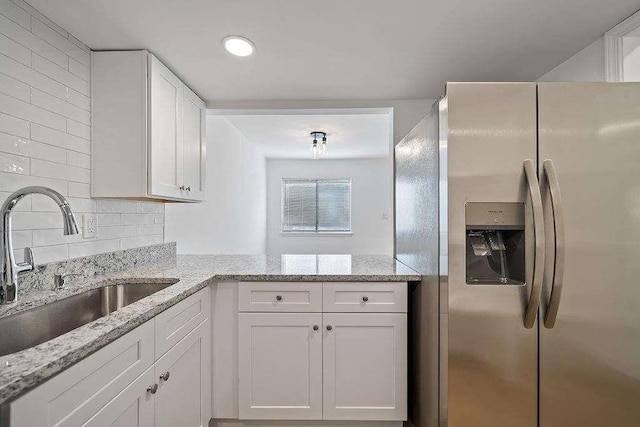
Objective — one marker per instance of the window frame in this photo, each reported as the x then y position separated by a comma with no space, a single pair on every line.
316,231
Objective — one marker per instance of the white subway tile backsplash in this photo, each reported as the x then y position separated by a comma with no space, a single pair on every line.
24,110
54,237
29,76
144,230
61,42
137,219
60,106
25,147
78,159
13,181
60,139
14,126
60,74
14,50
81,70
93,247
113,206
47,254
79,100
15,88
15,13
47,169
45,134
22,239
106,219
117,231
36,220
78,129
14,164
77,189
36,44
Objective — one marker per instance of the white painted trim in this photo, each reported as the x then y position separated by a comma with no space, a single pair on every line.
613,54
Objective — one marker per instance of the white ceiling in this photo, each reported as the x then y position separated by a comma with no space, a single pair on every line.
362,133
344,49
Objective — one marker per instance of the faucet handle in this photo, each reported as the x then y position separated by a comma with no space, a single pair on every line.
29,262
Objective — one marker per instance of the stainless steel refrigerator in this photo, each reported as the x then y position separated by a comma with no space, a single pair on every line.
519,203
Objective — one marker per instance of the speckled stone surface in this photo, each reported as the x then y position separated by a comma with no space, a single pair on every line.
22,371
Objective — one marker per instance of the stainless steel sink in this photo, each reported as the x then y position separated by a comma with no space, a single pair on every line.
35,326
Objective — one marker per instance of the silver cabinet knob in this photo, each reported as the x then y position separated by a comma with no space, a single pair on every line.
279,298
182,187
189,188
165,376
152,389
316,327
365,299
329,327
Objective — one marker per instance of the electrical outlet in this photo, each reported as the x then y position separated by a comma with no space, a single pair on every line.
89,226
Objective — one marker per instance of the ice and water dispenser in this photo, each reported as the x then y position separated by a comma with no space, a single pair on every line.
495,239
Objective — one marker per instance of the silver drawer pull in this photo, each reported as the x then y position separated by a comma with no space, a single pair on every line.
329,327
165,376
316,327
365,299
279,298
152,389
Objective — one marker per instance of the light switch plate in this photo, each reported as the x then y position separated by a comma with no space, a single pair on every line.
89,226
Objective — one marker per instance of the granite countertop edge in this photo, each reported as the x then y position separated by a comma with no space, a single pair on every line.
26,369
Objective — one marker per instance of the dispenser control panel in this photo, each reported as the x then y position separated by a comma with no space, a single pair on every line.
500,215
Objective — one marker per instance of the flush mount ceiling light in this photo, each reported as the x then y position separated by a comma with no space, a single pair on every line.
238,46
315,150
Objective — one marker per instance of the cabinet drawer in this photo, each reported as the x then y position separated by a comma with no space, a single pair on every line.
176,322
280,296
370,297
77,394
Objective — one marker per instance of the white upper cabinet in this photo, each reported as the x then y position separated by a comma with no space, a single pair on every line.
148,130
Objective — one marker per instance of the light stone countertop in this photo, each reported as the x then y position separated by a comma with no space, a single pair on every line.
24,370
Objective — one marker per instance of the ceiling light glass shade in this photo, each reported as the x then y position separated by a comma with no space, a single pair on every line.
238,46
324,145
314,149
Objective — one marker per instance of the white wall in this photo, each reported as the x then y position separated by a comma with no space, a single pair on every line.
233,219
45,140
407,113
371,198
585,66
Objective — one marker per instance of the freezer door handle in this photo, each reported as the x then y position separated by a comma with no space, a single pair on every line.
538,232
549,171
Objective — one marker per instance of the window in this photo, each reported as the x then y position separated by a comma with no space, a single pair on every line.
316,205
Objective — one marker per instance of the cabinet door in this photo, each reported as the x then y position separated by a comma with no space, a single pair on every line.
365,367
133,407
280,366
165,131
194,145
75,395
183,376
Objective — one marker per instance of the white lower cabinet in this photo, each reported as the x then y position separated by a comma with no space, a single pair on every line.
183,376
324,365
133,407
128,384
365,367
280,366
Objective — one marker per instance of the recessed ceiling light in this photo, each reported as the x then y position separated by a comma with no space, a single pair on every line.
238,46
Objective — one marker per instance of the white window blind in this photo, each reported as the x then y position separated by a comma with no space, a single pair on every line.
316,205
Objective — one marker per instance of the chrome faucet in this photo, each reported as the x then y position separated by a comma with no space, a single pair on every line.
9,267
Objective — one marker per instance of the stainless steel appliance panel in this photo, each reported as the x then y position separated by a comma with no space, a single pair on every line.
490,372
416,183
590,359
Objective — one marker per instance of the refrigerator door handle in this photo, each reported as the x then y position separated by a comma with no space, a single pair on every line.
558,221
538,231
